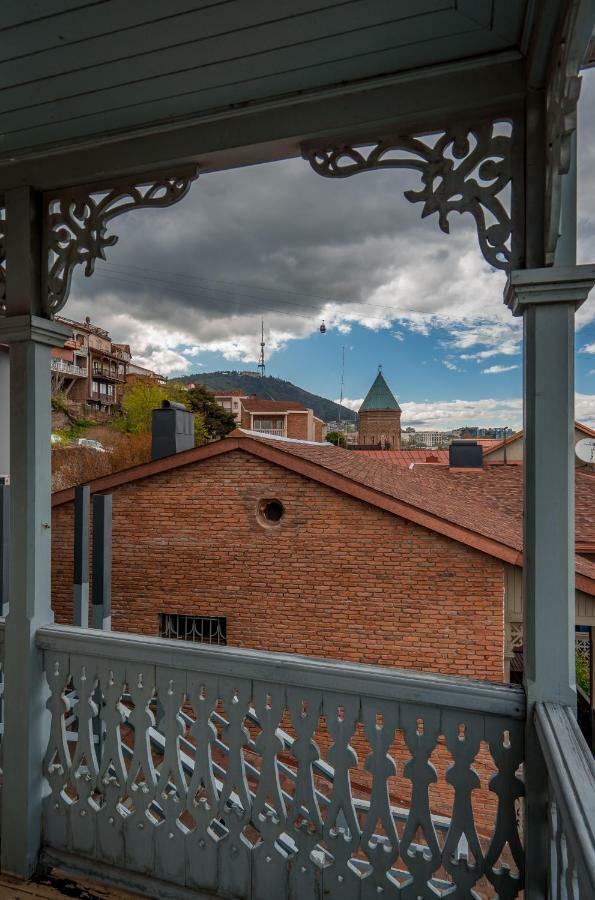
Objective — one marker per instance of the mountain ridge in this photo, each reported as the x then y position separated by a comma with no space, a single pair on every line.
270,388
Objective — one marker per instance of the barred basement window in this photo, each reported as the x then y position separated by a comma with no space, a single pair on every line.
199,629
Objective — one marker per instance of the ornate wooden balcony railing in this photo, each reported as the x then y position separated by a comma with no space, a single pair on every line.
571,773
174,761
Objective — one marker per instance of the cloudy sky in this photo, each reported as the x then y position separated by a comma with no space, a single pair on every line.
188,287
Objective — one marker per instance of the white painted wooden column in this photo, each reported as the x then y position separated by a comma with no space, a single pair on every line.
30,337
547,298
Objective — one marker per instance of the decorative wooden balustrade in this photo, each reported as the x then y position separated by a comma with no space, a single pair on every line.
170,760
571,772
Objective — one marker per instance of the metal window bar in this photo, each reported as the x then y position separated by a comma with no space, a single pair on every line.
197,629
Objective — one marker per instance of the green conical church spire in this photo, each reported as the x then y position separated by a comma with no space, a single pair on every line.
379,396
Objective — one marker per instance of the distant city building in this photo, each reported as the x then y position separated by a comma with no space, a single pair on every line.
90,367
380,417
430,439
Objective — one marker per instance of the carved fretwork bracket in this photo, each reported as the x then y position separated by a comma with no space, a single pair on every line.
75,228
464,169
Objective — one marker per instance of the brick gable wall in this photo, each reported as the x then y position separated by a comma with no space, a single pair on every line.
337,578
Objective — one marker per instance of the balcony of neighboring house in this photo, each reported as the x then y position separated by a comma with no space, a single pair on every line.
276,426
109,369
68,368
121,353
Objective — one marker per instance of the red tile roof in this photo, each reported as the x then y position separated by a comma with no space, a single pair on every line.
481,507
406,457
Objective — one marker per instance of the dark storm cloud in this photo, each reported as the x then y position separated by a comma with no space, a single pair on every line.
281,242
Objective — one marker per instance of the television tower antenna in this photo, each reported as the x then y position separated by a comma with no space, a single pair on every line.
342,382
261,364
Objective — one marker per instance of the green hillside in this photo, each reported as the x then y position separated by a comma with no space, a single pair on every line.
268,388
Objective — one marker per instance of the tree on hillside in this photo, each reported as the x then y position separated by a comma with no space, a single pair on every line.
138,402
218,421
141,398
336,438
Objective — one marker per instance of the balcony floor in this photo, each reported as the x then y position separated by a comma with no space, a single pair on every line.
59,884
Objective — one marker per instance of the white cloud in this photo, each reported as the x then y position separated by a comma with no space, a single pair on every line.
588,348
456,413
398,335
450,365
591,372
351,404
489,411
495,370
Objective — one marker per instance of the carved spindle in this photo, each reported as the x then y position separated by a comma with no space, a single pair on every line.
381,847
304,822
268,808
84,763
112,771
341,829
463,733
141,782
57,764
234,802
171,795
505,741
202,799
421,726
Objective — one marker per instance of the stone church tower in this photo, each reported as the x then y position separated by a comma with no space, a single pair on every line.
380,417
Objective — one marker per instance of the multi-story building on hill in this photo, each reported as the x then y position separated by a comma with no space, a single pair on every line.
380,417
90,367
281,418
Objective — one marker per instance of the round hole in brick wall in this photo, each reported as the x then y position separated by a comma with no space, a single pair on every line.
270,512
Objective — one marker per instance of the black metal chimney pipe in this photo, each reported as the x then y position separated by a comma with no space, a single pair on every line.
172,430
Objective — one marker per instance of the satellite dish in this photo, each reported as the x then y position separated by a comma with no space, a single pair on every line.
585,450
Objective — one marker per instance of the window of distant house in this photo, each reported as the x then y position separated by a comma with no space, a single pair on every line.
263,423
96,387
198,629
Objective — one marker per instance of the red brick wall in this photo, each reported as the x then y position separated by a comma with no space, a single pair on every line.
297,426
337,577
373,424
